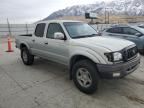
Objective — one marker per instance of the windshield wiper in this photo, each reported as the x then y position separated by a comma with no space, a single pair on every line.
92,35
78,37
85,36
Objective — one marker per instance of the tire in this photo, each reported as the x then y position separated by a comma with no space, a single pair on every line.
27,58
93,75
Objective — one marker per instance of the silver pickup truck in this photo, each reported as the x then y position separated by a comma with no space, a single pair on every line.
76,45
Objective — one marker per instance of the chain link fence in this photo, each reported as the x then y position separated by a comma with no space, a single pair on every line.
15,29
101,27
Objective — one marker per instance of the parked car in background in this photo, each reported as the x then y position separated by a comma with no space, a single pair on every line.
141,26
128,32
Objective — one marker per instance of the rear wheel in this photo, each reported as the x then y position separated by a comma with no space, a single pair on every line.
85,76
27,58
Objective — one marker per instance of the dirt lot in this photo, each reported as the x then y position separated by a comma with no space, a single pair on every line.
46,85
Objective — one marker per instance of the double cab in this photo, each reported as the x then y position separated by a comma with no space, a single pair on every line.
77,45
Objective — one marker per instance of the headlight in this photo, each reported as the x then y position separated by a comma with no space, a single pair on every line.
117,56
114,57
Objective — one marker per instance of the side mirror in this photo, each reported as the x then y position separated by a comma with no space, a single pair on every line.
138,34
59,35
99,33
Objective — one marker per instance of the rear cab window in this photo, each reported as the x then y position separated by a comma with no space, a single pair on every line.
40,28
115,30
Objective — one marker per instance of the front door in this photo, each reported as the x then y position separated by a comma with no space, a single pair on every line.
56,49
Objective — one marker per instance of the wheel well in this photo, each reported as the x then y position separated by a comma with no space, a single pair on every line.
22,46
76,59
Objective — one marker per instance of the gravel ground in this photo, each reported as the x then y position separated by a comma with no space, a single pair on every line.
46,85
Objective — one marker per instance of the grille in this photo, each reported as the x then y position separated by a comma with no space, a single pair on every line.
130,53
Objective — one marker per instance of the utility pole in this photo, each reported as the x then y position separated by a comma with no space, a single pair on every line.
108,18
26,28
105,16
9,29
125,8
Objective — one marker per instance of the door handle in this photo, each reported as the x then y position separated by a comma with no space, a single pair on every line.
33,40
125,37
111,35
46,43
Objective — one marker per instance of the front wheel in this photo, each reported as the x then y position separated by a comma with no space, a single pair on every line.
27,58
85,76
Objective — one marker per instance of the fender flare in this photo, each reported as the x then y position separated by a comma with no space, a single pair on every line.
25,44
86,55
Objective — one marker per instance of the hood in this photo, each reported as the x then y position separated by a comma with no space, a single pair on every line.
112,44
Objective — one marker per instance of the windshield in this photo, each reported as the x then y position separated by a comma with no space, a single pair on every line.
141,26
140,29
79,30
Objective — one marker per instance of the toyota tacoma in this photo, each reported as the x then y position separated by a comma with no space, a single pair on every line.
77,45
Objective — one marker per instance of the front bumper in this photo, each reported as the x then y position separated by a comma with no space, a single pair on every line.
118,70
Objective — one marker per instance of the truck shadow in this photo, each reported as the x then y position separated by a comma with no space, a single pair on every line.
123,87
48,66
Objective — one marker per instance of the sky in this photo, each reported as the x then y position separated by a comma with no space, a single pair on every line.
29,11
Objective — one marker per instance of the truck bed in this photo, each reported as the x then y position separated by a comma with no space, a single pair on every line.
24,38
29,35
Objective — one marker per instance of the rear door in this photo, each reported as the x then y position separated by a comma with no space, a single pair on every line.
38,40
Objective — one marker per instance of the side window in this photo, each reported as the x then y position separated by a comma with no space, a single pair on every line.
39,32
115,30
109,30
129,31
53,28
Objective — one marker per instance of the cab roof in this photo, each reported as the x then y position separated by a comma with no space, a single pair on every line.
58,21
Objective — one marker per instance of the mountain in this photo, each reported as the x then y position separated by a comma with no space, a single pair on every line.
116,7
